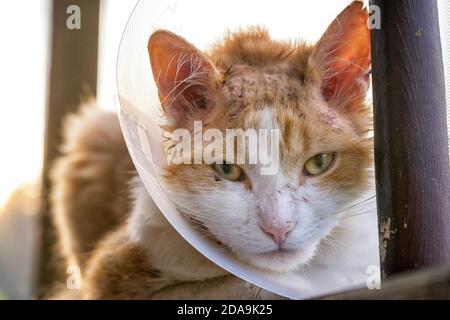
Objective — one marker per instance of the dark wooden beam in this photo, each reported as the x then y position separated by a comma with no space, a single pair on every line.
425,284
73,72
411,143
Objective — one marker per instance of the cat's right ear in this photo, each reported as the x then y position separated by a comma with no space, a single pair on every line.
183,74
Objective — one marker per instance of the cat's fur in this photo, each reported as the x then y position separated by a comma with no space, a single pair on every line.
313,94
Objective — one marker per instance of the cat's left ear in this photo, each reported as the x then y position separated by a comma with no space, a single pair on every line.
342,57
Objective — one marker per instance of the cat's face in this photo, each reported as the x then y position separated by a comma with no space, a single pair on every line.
313,96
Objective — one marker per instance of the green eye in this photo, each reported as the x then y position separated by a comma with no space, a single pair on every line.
318,164
230,172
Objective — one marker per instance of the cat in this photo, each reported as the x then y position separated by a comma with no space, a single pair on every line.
315,96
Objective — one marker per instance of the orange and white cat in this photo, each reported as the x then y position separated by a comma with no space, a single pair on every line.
313,94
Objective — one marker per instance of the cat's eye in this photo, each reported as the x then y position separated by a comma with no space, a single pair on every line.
230,172
319,164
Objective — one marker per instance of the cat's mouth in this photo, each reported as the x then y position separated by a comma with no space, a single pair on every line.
281,260
279,251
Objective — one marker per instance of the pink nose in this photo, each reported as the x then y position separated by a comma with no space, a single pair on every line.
279,232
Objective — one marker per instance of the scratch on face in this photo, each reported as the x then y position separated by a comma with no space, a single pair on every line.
330,119
291,190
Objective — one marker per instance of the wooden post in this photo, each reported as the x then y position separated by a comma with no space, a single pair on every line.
73,71
411,143
431,283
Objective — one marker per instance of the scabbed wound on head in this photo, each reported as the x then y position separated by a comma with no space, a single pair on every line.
313,94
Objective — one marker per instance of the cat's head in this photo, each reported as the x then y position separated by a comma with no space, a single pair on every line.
313,95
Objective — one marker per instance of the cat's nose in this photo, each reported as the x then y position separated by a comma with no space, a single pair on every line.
279,232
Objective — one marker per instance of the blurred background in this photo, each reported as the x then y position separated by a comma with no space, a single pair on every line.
47,68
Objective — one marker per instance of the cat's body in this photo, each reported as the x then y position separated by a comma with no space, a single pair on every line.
281,222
